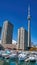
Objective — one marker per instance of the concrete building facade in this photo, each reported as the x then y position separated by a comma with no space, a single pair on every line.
7,31
22,38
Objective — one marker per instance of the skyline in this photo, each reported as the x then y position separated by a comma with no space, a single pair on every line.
16,12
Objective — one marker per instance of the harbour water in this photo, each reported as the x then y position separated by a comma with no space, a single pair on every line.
16,62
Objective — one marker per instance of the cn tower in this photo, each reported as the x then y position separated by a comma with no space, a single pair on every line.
29,27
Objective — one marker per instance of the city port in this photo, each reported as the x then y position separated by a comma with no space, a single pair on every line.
18,32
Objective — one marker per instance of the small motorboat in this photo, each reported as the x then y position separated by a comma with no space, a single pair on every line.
13,56
4,55
32,59
22,57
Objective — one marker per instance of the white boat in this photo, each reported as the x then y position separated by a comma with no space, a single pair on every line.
12,56
32,58
4,55
36,57
22,57
27,60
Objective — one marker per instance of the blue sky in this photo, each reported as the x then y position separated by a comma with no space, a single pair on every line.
16,12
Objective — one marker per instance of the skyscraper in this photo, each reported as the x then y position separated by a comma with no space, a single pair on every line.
22,38
29,29
7,31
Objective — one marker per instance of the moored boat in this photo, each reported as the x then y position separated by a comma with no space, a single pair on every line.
32,59
13,56
22,57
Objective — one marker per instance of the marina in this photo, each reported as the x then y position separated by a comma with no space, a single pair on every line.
18,32
13,58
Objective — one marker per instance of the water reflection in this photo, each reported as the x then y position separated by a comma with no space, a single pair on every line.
12,63
21,63
16,62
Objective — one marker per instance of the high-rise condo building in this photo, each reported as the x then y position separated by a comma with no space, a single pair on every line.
7,31
22,38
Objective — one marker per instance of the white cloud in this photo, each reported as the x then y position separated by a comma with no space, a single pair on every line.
14,42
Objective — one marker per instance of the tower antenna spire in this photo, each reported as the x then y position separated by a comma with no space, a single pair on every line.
29,12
